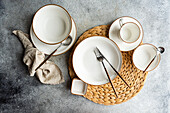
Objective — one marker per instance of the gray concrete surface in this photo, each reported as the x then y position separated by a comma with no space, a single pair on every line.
20,93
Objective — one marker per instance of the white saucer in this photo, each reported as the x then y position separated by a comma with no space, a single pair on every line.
48,49
86,65
113,34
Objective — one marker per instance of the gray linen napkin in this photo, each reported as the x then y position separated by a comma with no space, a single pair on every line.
49,72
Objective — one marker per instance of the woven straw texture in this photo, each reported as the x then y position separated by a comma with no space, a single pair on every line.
104,94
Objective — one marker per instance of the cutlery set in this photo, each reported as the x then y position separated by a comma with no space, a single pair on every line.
100,57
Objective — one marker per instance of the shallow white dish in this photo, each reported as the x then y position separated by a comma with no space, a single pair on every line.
113,34
143,55
51,24
48,49
78,87
86,65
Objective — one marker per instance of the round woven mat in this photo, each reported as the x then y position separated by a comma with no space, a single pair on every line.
104,94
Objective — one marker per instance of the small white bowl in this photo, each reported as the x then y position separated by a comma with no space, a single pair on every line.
143,55
78,87
52,24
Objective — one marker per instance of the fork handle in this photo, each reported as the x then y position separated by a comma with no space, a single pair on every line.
116,72
109,79
48,57
149,64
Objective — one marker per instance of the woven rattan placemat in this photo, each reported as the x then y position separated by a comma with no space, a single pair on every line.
104,94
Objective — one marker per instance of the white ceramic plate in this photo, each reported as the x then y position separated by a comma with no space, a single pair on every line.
113,34
143,55
88,68
48,49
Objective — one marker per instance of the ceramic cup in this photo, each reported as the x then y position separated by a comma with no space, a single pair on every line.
129,32
52,24
143,55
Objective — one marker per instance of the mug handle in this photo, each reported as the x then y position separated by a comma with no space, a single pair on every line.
121,22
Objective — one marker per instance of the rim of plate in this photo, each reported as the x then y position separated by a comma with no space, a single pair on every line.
88,38
70,47
159,59
33,25
134,19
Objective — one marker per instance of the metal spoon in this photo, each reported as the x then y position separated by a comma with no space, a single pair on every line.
160,50
64,43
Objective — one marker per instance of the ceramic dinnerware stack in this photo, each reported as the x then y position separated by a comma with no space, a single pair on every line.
51,25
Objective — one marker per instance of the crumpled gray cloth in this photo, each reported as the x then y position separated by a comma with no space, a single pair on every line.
49,72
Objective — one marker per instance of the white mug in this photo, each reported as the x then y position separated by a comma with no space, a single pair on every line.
129,32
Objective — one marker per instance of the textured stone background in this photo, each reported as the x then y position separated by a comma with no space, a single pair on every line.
21,93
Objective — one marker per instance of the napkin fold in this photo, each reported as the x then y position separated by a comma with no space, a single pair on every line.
49,72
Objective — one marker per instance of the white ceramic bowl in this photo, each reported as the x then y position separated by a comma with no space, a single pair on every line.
52,24
86,65
48,49
78,87
143,55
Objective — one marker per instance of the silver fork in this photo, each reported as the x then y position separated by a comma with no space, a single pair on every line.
100,58
112,67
